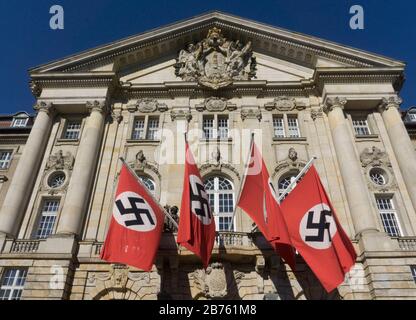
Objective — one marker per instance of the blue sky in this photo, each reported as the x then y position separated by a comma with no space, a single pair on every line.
27,40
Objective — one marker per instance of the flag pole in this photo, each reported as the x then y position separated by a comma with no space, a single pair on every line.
243,180
149,193
293,183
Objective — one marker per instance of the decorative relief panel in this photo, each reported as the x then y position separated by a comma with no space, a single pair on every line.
147,105
58,172
284,104
216,62
290,163
215,104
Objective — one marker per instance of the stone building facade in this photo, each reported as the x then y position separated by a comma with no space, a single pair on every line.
219,77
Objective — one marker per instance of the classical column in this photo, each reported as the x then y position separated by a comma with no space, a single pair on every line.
352,176
26,172
400,140
79,189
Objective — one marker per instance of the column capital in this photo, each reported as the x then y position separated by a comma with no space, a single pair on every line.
43,106
390,102
97,106
335,102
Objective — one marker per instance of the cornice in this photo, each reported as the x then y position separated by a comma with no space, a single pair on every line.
292,45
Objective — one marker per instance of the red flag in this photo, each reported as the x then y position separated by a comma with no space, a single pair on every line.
258,200
316,232
196,223
136,225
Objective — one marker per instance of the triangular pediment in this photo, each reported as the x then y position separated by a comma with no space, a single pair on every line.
166,42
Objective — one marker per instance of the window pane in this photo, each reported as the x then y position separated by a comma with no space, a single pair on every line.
388,216
5,157
73,130
19,122
208,127
413,270
224,223
149,183
223,127
12,284
293,126
138,129
361,127
153,127
279,129
47,219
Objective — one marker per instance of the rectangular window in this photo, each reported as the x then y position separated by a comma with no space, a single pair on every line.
293,127
223,127
12,284
47,219
138,129
278,127
388,216
413,270
224,223
73,130
361,127
19,122
208,127
152,128
5,158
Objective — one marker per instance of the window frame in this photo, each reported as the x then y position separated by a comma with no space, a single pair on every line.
8,162
287,128
24,125
14,287
77,131
145,135
413,272
216,192
360,126
393,212
41,213
216,129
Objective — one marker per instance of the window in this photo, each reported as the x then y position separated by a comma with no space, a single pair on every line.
215,126
47,218
221,199
20,122
5,158
73,130
152,129
413,270
286,126
278,126
361,127
57,180
388,216
378,176
12,284
293,126
145,128
149,184
411,116
284,182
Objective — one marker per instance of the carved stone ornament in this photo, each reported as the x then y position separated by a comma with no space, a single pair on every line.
141,164
118,277
3,178
332,103
214,283
374,157
35,88
292,162
181,115
215,104
251,114
216,62
391,102
59,161
97,106
316,113
147,105
284,104
44,106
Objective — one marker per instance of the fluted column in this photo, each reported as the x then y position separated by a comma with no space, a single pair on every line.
21,185
400,140
352,176
79,189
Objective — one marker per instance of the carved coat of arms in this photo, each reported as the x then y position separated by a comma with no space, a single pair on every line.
216,62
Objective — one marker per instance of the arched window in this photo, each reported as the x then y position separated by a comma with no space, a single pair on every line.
149,183
285,181
221,198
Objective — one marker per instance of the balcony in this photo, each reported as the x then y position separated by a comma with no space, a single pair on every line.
407,243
